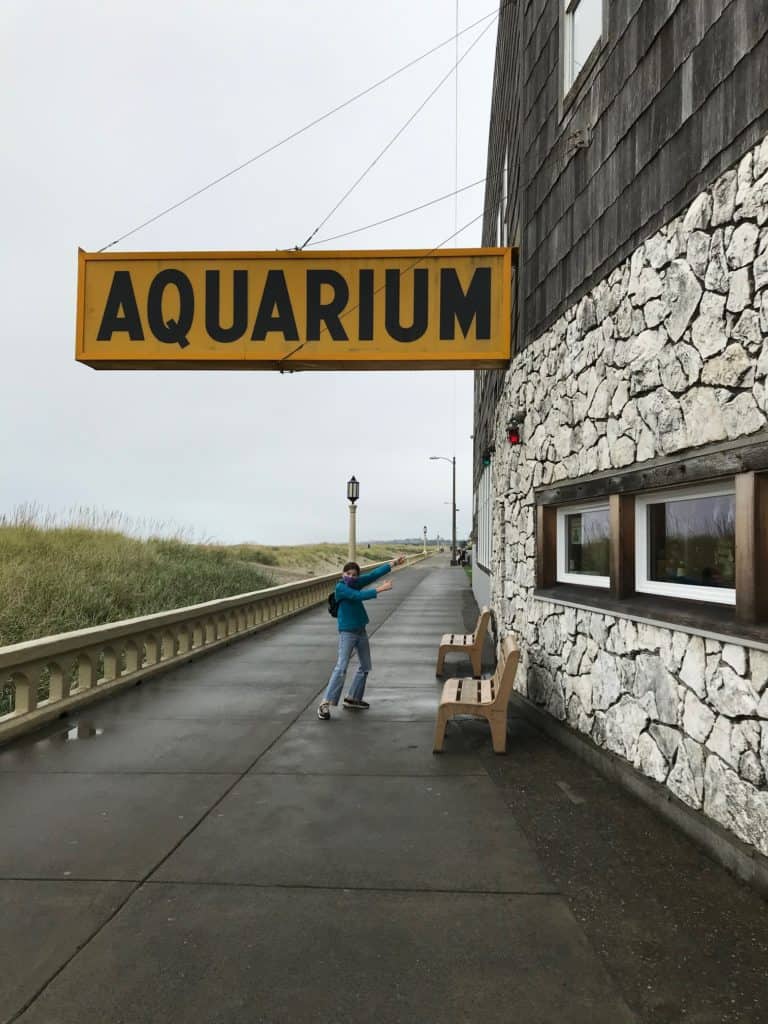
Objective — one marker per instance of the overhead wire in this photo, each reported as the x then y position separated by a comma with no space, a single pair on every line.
494,14
395,137
455,225
456,128
457,231
396,216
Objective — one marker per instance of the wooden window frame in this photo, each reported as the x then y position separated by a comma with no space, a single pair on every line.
622,540
752,547
546,546
743,465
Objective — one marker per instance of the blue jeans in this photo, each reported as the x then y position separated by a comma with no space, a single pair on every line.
349,642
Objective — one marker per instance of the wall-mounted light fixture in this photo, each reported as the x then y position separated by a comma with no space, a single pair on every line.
513,431
487,453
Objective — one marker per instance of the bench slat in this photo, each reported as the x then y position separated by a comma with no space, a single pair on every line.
457,640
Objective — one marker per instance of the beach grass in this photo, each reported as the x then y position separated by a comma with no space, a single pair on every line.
61,573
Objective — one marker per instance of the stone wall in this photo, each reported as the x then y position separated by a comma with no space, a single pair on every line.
667,354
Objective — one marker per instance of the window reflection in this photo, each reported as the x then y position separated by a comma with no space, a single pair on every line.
692,541
587,28
587,542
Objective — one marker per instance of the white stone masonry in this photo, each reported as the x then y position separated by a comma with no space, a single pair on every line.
667,354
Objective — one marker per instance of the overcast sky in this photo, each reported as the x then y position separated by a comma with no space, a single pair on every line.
112,112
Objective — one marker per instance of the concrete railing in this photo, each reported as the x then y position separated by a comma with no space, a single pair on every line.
56,674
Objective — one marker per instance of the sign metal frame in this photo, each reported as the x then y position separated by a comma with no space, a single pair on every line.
316,310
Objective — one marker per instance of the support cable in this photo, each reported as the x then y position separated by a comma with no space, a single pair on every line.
396,216
416,262
456,130
455,228
300,131
394,139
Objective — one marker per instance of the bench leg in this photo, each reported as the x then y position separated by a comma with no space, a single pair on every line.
442,721
440,660
476,657
498,724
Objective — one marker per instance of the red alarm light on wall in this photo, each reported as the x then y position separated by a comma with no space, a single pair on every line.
513,432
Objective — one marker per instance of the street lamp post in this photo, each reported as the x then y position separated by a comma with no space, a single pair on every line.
353,493
444,458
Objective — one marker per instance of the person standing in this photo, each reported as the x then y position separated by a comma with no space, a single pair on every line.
351,591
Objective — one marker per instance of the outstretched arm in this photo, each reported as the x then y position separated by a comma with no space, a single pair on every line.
382,570
345,593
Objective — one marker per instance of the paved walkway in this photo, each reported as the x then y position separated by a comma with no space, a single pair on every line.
203,849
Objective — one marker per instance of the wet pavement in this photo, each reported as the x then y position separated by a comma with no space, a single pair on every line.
203,848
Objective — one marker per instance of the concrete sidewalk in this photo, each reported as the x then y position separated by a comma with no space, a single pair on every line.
202,848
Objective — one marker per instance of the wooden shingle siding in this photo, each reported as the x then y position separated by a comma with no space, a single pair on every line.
504,136
679,92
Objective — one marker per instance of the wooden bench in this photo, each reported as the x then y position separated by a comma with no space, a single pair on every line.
481,698
470,644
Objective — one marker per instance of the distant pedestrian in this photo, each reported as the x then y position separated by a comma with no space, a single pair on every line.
351,591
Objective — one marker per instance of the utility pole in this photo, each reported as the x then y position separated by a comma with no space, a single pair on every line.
444,458
454,560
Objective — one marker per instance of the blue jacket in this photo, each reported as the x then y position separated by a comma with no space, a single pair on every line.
352,615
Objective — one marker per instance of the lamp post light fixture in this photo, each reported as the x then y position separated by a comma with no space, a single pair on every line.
444,458
353,493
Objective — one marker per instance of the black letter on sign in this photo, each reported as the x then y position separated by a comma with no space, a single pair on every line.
213,306
365,316
392,305
121,297
318,311
275,296
171,332
455,305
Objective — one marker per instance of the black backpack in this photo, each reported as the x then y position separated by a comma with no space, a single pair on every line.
333,604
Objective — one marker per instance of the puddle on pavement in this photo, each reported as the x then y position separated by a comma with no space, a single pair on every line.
81,731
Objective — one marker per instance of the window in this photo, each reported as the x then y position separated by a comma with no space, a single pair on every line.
693,553
686,543
484,520
503,232
583,534
582,30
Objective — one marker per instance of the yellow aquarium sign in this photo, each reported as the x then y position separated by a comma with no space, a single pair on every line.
384,310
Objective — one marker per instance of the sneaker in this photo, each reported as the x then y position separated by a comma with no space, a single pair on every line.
356,705
324,711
